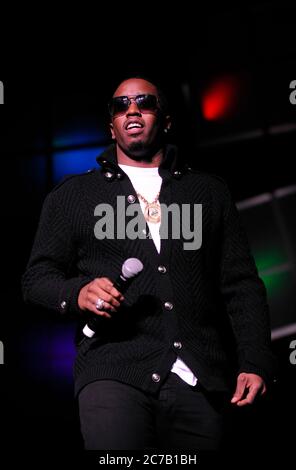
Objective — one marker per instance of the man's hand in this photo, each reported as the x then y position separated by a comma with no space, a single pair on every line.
101,288
247,388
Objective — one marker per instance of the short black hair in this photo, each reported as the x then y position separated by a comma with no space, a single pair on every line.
163,102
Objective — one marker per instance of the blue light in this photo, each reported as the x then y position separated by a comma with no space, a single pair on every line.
69,162
61,353
75,134
48,352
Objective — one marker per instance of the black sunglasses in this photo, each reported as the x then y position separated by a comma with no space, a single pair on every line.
120,104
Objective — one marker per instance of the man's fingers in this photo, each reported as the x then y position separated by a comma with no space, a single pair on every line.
106,285
92,298
263,390
107,298
243,402
240,388
116,294
248,387
104,282
248,400
91,307
100,288
98,292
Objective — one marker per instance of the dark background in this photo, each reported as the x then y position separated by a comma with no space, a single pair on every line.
226,72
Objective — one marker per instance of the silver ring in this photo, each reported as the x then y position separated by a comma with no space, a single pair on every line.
100,304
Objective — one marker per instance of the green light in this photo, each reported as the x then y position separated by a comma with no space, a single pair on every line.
269,260
275,283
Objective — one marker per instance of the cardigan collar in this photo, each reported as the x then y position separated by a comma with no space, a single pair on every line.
170,165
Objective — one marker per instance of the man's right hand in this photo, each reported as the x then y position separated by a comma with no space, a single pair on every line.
100,288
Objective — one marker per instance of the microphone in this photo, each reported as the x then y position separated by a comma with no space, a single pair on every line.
130,269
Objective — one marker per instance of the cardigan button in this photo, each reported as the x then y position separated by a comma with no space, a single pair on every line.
131,198
177,345
119,176
108,175
63,304
155,377
177,174
168,306
161,269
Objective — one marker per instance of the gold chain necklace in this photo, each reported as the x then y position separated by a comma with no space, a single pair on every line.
152,211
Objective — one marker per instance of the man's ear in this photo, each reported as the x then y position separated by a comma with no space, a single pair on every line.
112,131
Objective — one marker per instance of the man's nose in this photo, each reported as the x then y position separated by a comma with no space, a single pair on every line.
133,109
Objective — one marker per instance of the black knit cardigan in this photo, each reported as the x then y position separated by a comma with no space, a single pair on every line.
208,306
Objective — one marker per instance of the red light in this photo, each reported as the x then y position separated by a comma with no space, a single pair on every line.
220,99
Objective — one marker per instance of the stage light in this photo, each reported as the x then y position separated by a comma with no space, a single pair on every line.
74,161
220,99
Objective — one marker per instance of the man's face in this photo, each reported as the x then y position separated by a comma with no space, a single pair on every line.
138,133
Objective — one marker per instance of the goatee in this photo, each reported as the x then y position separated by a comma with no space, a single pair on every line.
138,151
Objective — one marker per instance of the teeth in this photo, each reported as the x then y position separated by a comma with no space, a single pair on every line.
133,124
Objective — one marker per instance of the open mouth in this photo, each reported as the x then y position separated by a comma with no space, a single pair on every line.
134,127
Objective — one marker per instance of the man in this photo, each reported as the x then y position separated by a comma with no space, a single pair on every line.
159,370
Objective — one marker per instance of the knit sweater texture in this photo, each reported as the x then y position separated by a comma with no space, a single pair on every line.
217,321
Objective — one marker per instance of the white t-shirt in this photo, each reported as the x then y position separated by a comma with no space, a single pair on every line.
147,182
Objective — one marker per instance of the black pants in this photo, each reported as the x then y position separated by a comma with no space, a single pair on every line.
114,415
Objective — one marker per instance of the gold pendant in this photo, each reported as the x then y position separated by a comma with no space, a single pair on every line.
152,213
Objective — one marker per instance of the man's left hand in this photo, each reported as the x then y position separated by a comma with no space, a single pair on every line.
247,388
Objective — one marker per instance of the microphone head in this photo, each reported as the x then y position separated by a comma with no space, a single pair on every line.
131,267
